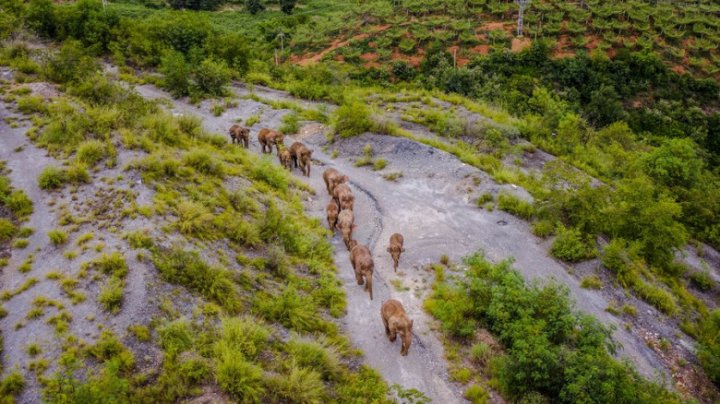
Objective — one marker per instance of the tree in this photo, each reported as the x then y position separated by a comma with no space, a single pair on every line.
287,6
254,6
675,163
605,107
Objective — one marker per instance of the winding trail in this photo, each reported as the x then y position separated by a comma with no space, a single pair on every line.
431,205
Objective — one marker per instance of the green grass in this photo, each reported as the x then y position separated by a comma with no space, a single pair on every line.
58,236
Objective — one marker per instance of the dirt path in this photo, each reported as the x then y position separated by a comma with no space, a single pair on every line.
432,206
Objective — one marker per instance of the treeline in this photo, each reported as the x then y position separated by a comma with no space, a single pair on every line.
253,6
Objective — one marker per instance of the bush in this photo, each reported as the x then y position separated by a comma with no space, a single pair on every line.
300,385
515,206
57,236
19,203
52,178
12,384
591,282
110,264
543,228
379,164
569,245
702,280
553,353
246,335
32,104
351,118
186,268
176,73
201,161
7,229
211,77
290,124
477,395
70,64
176,336
313,355
91,152
240,378
111,294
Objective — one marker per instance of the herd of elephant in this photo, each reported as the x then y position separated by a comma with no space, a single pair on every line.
340,217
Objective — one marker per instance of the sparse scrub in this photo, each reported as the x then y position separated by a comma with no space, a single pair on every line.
591,282
111,294
57,236
52,178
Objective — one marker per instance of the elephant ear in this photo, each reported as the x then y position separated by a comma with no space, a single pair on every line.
411,324
402,249
389,250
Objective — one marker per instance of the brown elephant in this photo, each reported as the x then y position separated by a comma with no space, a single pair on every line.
333,178
332,215
240,135
363,265
346,224
344,197
396,248
396,321
285,158
268,137
301,156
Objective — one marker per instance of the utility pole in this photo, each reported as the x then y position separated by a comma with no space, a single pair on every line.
522,4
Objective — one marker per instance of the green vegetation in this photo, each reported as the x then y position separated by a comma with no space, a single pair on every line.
551,351
58,236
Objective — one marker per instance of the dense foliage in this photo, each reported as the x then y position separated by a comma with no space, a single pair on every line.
550,348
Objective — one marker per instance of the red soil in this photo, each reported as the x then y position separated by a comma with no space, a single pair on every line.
307,60
520,44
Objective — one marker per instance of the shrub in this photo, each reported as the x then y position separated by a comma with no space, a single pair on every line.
543,228
176,336
186,268
477,395
591,282
12,384
290,124
515,206
91,152
313,355
201,161
111,294
77,174
32,104
70,64
141,332
247,335
57,236
194,220
176,73
351,118
19,203
52,178
702,280
239,378
570,246
379,164
7,229
211,77
110,264
300,385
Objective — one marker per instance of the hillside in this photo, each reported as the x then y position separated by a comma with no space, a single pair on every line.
560,208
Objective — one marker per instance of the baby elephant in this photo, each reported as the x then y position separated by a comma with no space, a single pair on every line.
301,155
396,321
332,215
363,264
395,248
333,178
240,135
267,138
285,158
345,223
